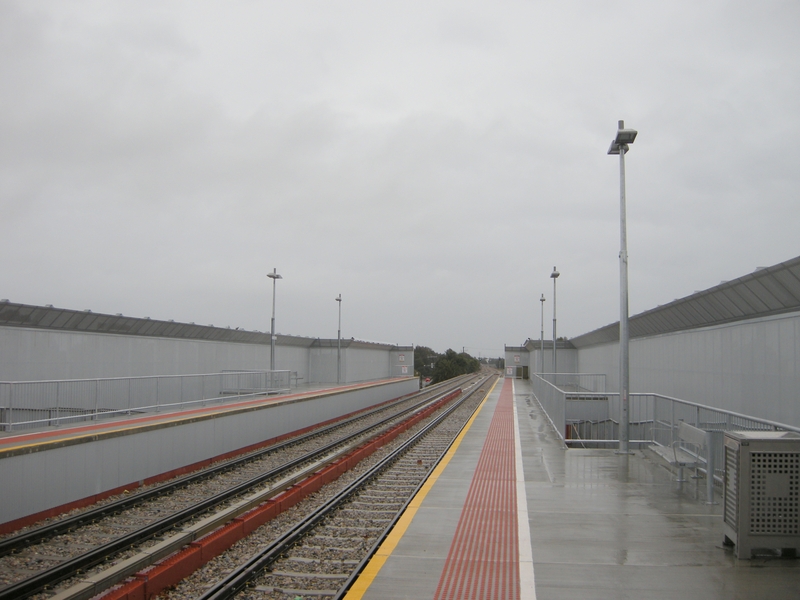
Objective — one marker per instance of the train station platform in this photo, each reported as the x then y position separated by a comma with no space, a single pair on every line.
512,513
34,440
50,471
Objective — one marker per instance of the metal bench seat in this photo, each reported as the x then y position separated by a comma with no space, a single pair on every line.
678,456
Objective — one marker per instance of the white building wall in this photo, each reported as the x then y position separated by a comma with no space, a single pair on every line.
36,354
289,358
567,360
322,365
518,358
365,363
401,362
28,354
535,358
750,367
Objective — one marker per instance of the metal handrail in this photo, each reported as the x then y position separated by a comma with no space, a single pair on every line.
55,401
653,417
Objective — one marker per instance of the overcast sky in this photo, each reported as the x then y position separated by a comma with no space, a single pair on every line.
430,161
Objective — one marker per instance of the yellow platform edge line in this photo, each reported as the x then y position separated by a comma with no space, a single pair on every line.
370,572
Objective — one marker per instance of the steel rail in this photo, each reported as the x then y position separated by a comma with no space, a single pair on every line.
385,533
52,576
241,577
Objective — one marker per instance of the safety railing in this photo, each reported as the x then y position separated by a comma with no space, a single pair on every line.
591,419
30,404
553,389
577,382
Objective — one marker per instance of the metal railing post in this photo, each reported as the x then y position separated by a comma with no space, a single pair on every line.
710,468
672,423
10,425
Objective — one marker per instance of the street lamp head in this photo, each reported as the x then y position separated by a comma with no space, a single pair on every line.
274,274
555,274
339,299
542,298
624,137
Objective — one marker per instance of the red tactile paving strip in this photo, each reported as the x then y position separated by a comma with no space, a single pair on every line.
483,560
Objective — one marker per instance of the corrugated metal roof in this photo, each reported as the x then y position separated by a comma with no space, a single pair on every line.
548,345
48,317
530,345
770,291
515,348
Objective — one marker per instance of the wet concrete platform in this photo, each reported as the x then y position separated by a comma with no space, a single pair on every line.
602,525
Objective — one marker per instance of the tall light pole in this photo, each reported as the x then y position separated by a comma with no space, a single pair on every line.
554,275
339,343
620,146
274,276
541,341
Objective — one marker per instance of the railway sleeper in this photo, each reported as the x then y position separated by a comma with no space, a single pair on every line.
293,592
302,559
310,575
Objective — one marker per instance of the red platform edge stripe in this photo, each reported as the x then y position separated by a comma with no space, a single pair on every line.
483,562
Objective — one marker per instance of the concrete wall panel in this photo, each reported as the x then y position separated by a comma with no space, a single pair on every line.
363,361
36,354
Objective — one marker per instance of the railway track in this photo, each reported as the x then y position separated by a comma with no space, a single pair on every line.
319,552
35,561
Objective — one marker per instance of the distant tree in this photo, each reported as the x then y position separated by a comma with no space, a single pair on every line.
453,364
424,359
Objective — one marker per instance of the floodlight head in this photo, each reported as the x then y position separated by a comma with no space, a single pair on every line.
555,274
625,136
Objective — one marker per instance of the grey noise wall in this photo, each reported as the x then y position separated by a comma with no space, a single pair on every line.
750,367
45,343
37,354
